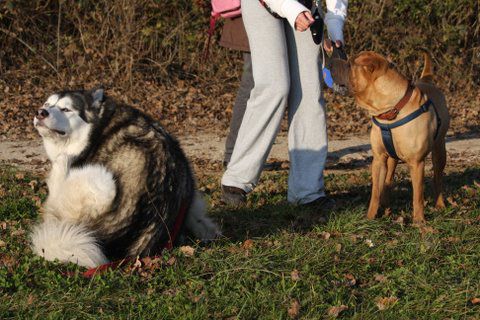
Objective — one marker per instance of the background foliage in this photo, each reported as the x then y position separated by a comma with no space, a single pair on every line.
147,48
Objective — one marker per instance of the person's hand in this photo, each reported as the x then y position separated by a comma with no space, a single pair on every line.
328,45
303,21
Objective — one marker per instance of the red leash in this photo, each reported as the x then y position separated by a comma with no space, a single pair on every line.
211,30
117,264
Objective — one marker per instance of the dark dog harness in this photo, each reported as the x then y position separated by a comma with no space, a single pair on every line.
386,129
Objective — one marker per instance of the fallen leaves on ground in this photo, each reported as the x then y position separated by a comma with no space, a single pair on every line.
187,251
380,278
385,302
294,309
335,311
247,244
452,202
348,281
295,275
325,235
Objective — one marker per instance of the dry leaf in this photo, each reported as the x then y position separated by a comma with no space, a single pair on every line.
338,247
187,251
295,275
33,184
37,200
7,261
400,220
147,261
20,175
427,230
18,232
452,202
171,261
453,239
387,212
325,235
31,299
351,281
2,244
247,244
385,303
137,263
335,311
294,309
380,278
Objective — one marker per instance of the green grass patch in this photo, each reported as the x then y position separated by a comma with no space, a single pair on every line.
277,261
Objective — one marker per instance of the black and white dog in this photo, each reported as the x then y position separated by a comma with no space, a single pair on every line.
120,186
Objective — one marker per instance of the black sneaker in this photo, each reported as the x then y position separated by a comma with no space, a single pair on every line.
233,196
323,204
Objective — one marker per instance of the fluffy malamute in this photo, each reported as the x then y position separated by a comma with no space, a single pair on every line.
120,186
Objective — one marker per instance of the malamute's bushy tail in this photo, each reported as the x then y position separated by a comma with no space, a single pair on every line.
66,242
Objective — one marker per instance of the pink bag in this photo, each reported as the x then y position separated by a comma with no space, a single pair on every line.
224,9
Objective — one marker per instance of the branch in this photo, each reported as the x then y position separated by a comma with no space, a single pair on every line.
13,35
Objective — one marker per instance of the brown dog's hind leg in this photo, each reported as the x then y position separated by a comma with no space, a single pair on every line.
379,171
391,166
417,172
439,159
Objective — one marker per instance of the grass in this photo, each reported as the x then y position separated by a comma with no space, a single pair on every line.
277,261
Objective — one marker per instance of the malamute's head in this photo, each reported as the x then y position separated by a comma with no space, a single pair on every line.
68,114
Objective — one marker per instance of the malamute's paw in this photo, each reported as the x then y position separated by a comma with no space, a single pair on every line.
202,227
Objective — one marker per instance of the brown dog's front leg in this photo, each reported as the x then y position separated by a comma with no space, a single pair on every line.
379,171
391,166
417,172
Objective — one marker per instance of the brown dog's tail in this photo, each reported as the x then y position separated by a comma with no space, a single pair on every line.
427,73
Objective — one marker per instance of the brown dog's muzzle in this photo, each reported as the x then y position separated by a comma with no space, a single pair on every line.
341,72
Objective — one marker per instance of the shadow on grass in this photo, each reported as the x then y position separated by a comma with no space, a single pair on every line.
257,220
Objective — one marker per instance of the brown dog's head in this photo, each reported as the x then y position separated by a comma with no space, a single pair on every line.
369,77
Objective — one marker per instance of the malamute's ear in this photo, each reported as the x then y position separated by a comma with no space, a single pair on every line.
98,97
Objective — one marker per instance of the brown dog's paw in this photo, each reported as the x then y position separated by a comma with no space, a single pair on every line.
419,222
371,216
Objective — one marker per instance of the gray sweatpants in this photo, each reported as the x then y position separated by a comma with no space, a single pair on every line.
286,70
243,94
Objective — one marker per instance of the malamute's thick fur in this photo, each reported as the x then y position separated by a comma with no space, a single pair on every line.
117,184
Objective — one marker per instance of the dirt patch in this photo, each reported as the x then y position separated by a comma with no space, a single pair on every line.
201,148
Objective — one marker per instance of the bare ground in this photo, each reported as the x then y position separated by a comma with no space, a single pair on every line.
207,147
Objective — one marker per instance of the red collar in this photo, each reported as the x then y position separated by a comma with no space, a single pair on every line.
392,114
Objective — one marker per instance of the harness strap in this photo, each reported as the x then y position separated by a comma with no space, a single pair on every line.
386,129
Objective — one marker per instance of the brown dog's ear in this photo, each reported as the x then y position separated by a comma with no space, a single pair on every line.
373,63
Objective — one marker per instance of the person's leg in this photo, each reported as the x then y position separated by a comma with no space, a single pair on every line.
307,136
268,97
246,85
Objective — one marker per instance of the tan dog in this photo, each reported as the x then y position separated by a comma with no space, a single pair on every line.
389,98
